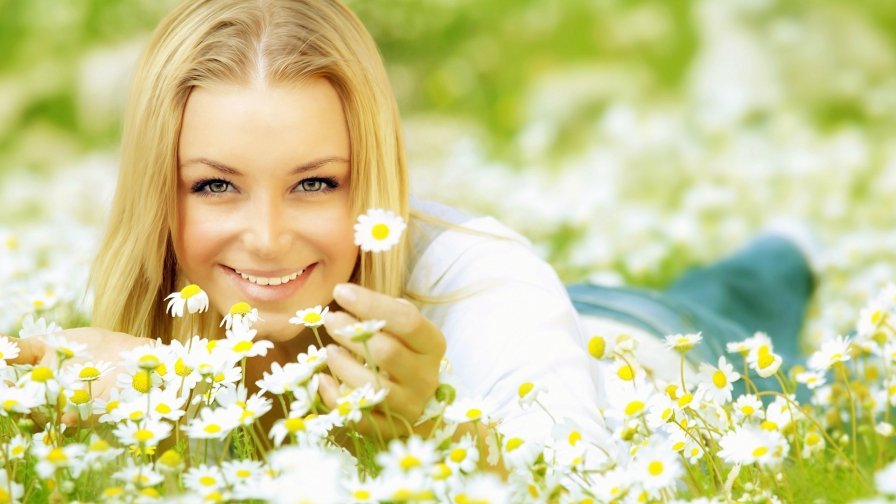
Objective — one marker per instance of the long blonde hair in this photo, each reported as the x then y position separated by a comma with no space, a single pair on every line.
204,42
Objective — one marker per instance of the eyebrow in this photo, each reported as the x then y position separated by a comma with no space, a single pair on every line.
302,168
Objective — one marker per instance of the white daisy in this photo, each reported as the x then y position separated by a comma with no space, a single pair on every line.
463,455
831,352
415,455
143,475
361,331
240,341
88,371
748,407
469,409
212,424
657,468
310,317
30,328
763,360
204,479
65,348
378,230
750,444
143,434
240,313
683,342
8,350
811,379
191,297
716,382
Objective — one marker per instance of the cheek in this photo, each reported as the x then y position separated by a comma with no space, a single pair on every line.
198,241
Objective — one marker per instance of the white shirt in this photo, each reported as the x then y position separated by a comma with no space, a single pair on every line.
515,323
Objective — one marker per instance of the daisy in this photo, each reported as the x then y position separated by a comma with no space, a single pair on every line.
310,317
88,372
813,443
763,360
469,410
166,404
683,342
30,328
483,488
831,352
152,356
463,455
8,350
212,424
51,458
528,393
748,407
378,230
145,434
716,382
240,313
360,332
811,379
16,448
657,468
5,486
314,358
99,452
204,479
749,444
143,475
249,409
283,379
240,341
414,455
66,349
520,453
191,296
746,346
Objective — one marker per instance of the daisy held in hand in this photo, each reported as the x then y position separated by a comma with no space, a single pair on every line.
312,318
378,230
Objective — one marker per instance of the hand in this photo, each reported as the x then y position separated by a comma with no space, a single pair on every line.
407,353
102,345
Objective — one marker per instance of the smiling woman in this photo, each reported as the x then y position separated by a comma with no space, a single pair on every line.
264,200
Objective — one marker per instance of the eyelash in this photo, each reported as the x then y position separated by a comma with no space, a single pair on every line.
201,187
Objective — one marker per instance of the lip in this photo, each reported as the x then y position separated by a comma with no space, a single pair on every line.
268,293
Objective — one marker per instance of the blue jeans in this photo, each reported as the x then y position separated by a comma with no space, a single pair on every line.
765,286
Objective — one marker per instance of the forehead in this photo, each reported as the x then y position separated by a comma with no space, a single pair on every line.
264,124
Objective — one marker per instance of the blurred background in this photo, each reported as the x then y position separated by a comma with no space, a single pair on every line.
629,140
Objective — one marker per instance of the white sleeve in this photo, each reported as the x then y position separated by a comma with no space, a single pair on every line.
515,324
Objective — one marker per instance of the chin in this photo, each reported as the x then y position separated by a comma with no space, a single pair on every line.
276,331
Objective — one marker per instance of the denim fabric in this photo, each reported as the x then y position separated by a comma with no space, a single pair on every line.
765,286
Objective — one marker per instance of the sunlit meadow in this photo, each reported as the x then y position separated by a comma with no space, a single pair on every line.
628,140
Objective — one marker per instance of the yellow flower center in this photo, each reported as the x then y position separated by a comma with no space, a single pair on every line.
241,308
574,437
80,396
626,373
633,408
56,456
758,452
812,439
458,455
141,382
768,425
242,346
88,373
115,491
163,409
474,413
678,446
10,404
766,358
41,374
181,368
409,462
597,346
685,400
243,473
17,450
170,459
207,480
655,468
311,318
144,435
190,291
150,492
136,415
99,446
380,231
111,405
747,410
212,428
525,389
149,361
719,379
877,317
361,494
514,443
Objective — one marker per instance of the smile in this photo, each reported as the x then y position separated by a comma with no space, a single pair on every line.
260,280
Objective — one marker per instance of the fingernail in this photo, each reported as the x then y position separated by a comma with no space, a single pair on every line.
344,292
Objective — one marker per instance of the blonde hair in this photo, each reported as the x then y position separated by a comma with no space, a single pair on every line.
208,42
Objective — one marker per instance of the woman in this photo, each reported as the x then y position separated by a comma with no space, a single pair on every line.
256,133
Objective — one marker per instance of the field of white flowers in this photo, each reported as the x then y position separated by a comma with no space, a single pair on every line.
618,173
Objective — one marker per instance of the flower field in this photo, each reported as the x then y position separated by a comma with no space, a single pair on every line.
629,143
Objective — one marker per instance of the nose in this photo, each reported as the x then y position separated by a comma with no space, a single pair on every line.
267,228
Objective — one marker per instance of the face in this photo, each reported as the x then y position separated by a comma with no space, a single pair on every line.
264,213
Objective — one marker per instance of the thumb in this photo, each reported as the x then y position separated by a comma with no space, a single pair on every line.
31,351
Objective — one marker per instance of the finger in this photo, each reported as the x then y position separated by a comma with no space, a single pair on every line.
351,372
31,351
383,350
328,390
403,319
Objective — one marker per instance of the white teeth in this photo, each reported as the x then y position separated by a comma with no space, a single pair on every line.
270,281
